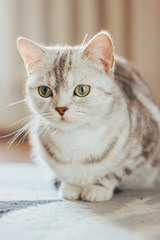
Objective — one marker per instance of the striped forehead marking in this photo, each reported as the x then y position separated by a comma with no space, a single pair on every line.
60,68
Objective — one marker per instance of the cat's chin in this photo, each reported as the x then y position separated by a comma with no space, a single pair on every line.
66,125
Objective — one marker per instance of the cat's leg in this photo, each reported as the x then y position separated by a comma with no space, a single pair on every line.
96,193
70,192
101,191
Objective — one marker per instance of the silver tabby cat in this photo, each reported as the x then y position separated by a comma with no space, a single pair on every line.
94,121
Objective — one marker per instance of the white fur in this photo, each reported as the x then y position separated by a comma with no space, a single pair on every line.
89,126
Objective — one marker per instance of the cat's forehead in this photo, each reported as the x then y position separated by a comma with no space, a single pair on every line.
60,65
65,68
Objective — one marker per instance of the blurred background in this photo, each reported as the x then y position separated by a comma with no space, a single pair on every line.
133,24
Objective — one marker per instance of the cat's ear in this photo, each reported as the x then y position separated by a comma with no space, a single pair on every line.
100,49
30,52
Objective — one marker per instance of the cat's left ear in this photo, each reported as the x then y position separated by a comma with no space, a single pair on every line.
30,52
100,49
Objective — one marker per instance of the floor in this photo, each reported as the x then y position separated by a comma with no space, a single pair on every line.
30,207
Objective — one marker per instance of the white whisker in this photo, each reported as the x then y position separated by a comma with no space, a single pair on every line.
43,128
21,120
24,137
28,127
18,133
10,134
17,102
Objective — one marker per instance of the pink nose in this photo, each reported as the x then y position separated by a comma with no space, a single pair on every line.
61,110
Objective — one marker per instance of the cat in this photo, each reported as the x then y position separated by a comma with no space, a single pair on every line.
94,120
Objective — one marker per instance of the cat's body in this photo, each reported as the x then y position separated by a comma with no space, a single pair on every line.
110,137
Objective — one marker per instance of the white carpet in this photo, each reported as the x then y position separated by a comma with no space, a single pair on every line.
31,209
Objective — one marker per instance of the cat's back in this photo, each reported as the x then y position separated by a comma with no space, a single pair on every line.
144,113
129,79
134,89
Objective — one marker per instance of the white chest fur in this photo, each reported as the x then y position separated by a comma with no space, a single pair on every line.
74,148
79,145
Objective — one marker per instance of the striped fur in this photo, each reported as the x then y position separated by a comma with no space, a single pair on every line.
109,138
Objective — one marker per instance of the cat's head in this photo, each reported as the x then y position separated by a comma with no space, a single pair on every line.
67,86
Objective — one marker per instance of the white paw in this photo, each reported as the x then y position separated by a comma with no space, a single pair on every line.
70,192
94,193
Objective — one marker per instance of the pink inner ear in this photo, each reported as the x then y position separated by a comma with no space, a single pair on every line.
30,62
105,63
30,52
100,49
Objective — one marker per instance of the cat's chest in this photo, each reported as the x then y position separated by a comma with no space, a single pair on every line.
77,145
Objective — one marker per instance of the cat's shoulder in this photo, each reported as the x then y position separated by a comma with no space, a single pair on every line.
129,79
125,68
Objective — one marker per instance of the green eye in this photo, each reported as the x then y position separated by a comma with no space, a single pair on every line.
45,91
82,90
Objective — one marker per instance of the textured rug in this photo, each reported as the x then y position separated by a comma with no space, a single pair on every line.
31,209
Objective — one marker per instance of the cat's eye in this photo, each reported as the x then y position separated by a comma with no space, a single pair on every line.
82,90
45,91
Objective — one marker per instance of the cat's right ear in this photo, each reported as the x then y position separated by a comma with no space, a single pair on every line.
30,52
100,49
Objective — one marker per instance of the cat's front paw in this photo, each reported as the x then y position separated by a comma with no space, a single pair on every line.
94,193
70,192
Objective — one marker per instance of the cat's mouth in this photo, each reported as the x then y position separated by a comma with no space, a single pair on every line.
63,120
64,123
67,123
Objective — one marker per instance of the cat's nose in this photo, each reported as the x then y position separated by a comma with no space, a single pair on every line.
61,110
